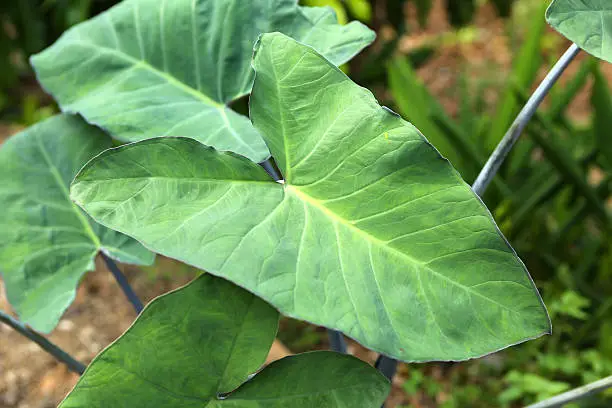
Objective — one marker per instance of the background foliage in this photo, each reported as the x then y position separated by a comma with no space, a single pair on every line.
459,70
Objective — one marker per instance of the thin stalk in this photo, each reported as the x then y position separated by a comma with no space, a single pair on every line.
387,367
336,341
45,344
505,146
271,168
123,283
575,394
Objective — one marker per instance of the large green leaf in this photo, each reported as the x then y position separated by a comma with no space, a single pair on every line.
191,347
150,68
372,232
46,242
588,23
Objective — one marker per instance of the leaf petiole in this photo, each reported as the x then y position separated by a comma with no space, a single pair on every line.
505,146
45,344
123,283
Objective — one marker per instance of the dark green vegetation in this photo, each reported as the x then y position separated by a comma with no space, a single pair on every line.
207,339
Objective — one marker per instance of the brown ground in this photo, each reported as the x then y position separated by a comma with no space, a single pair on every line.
30,378
487,57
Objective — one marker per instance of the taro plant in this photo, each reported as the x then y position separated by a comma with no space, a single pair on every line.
369,223
199,345
47,243
353,220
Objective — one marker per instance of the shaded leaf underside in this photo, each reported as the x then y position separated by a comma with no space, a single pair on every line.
46,242
149,68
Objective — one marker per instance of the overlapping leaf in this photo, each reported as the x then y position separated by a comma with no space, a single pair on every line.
588,23
192,346
372,232
149,68
46,242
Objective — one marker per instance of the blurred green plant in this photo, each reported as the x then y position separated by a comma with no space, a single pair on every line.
27,27
396,14
552,200
345,9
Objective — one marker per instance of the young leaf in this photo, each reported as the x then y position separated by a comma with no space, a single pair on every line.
46,242
588,23
150,68
372,233
190,347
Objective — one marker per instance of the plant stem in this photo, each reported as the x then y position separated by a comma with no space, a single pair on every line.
575,394
123,283
45,344
270,167
505,146
336,341
387,366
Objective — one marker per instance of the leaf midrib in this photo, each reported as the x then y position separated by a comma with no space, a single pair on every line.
60,182
358,386
282,125
163,75
189,179
335,217
230,353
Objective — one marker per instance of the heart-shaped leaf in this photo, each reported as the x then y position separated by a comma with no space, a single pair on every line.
150,68
588,23
191,347
372,232
46,242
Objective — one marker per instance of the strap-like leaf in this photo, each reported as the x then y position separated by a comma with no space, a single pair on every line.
588,23
601,101
150,68
46,242
372,233
193,345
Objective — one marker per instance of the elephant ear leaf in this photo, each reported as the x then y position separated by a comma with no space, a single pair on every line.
372,232
588,23
149,68
47,243
196,347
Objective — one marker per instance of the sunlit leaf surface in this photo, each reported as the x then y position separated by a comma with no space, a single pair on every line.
372,232
150,68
